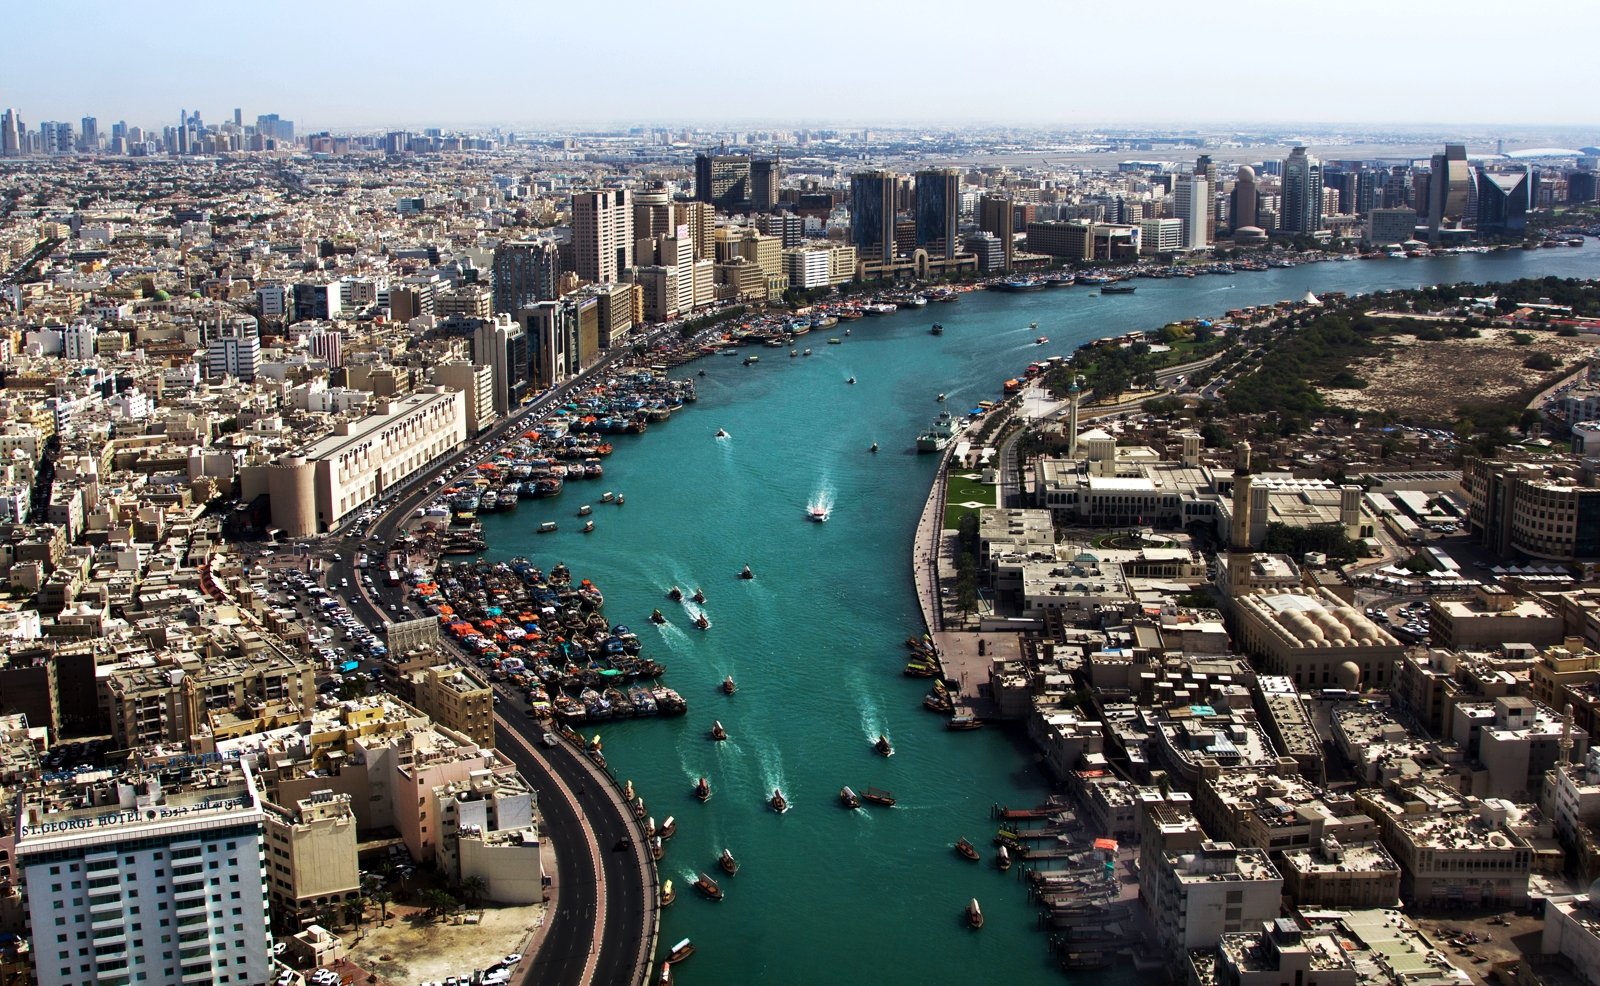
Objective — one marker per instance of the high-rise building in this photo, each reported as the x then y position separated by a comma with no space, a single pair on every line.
1244,202
89,135
872,214
1191,200
11,131
652,213
503,344
1452,195
1504,200
701,218
765,175
996,216
188,856
602,234
1301,211
56,137
938,196
722,180
525,272
1205,168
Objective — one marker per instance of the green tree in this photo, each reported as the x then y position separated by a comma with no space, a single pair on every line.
474,888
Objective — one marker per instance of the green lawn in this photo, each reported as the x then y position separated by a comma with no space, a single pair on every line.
959,490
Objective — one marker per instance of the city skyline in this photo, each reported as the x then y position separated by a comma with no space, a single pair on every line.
1378,75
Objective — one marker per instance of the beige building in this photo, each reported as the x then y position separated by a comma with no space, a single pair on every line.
315,489
311,860
1317,639
476,382
602,234
488,832
1452,851
1490,617
1538,508
457,699
1333,873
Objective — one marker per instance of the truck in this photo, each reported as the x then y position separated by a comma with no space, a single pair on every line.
392,578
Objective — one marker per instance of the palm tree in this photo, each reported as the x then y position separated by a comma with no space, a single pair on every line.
381,896
474,888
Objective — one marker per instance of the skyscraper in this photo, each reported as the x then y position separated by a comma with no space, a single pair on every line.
996,215
938,197
1301,211
765,174
1504,200
722,180
1452,193
89,135
525,272
10,134
1207,169
1191,199
1242,208
872,214
602,234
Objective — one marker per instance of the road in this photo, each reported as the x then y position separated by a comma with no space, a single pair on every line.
601,926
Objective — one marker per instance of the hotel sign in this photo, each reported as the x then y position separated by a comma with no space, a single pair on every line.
122,816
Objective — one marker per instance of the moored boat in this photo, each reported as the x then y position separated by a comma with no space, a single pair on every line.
1002,859
728,687
680,951
717,732
967,849
883,747
779,803
669,828
709,887
974,914
668,895
702,790
849,798
960,722
728,863
878,796
657,850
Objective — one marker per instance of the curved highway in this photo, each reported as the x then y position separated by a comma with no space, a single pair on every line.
600,926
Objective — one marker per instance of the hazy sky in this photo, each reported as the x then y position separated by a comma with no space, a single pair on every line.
343,63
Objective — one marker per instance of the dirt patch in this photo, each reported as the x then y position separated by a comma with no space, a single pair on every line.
1427,381
409,950
1501,939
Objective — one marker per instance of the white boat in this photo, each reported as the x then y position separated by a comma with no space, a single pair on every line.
938,435
585,510
818,513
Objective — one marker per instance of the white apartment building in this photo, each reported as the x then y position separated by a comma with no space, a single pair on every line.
275,300
807,269
237,356
1216,889
77,341
147,886
1160,236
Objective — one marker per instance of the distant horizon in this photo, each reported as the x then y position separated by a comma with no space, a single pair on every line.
1048,71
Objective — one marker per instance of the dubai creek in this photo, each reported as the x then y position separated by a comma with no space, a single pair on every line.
815,641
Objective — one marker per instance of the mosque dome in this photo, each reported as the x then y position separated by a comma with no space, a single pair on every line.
1349,676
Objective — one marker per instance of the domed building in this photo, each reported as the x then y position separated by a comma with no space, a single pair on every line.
1317,639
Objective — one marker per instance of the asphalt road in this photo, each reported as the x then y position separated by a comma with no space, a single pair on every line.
599,928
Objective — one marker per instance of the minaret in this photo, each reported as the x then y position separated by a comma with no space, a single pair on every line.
1072,417
1239,543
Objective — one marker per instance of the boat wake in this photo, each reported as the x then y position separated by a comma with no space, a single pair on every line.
821,500
671,635
772,776
871,724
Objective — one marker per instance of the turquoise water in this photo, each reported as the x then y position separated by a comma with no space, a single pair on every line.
815,641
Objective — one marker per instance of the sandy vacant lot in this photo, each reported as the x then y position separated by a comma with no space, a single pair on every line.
1429,380
409,951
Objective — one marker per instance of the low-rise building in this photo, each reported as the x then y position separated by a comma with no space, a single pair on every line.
1207,892
1317,639
311,860
1333,873
1492,616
